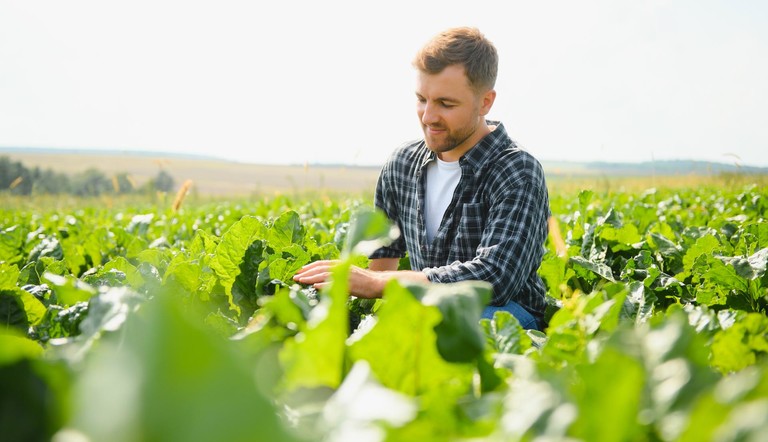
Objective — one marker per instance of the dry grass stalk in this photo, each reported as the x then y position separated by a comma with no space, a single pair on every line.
556,237
16,182
181,194
131,181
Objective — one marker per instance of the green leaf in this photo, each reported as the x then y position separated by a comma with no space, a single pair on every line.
742,344
132,275
401,348
609,414
109,310
14,346
585,196
724,275
369,230
285,231
504,334
316,356
625,237
663,245
706,245
598,268
169,378
231,251
459,337
9,275
183,271
752,267
11,243
361,406
48,246
554,272
68,289
12,312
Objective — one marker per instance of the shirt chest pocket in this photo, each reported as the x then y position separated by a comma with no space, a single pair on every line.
470,226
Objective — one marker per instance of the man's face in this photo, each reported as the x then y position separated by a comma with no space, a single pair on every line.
451,112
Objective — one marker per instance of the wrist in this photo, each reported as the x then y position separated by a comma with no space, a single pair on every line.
380,280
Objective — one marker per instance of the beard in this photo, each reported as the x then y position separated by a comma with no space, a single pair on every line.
449,140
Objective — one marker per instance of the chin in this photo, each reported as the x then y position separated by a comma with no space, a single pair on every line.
440,149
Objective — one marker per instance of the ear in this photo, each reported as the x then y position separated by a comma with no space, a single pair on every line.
486,101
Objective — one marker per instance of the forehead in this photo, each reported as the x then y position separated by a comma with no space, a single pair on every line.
450,82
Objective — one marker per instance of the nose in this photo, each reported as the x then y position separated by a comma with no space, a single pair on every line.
428,114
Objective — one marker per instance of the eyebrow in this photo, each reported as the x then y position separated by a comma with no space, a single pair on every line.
448,99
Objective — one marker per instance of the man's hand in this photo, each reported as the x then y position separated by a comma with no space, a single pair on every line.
363,283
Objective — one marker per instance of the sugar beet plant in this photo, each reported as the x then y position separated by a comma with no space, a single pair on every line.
141,324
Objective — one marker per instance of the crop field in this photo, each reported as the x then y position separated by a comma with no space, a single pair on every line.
130,319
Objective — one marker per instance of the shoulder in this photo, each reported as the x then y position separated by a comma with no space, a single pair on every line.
406,157
515,165
408,151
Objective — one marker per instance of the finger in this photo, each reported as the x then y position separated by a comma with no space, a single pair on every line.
312,278
315,267
321,263
314,270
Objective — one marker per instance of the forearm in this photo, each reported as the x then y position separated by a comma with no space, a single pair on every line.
383,264
370,284
364,283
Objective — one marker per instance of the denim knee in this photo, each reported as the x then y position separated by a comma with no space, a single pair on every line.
523,316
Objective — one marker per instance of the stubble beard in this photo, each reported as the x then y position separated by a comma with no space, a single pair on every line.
451,140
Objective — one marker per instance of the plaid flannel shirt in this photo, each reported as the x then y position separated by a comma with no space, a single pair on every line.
494,228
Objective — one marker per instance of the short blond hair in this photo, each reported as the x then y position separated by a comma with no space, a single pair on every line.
465,46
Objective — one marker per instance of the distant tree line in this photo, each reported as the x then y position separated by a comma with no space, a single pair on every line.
17,179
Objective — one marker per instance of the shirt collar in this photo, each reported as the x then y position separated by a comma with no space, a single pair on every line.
482,152
487,148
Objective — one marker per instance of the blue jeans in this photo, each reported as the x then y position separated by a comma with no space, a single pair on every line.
526,319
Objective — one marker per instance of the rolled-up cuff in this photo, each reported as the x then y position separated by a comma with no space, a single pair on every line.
434,274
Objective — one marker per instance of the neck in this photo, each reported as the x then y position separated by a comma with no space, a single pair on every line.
456,153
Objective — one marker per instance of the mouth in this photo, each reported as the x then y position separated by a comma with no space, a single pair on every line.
431,130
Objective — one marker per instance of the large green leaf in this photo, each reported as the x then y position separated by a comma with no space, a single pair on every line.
742,344
14,346
11,243
68,289
316,356
231,252
285,231
459,336
401,347
168,378
9,274
369,230
504,334
598,268
609,394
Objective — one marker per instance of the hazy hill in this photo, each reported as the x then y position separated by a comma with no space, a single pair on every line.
660,168
221,177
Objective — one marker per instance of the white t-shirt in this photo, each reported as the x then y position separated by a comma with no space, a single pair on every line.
442,179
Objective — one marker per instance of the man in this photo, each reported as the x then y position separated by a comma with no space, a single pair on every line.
469,203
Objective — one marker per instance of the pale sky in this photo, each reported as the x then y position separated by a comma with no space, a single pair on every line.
331,81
